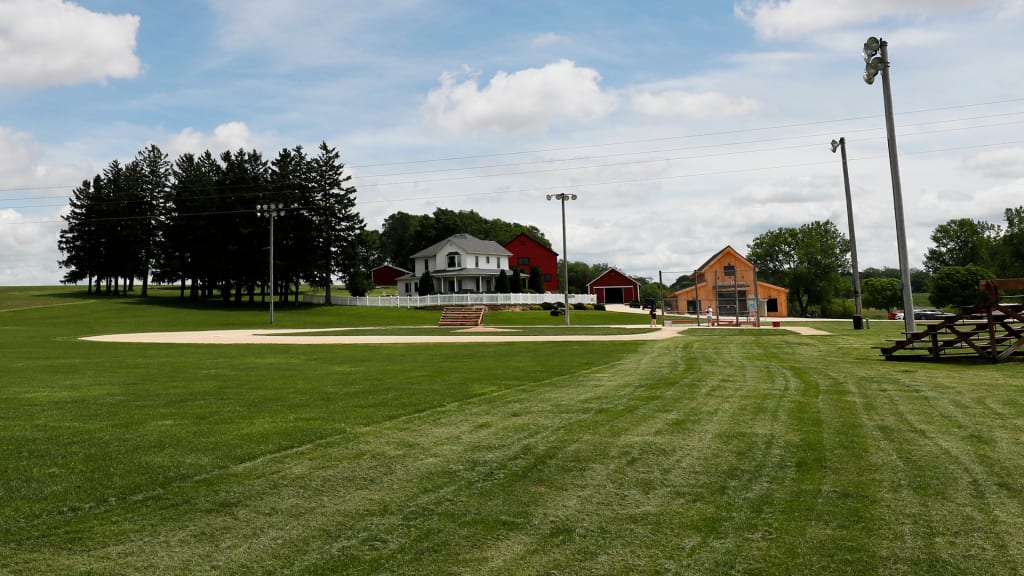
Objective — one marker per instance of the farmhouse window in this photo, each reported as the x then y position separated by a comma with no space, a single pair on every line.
454,260
524,260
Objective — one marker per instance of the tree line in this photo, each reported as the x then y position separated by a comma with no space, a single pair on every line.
404,234
194,222
812,261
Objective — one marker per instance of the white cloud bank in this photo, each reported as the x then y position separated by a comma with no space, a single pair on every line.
530,99
228,136
775,19
53,42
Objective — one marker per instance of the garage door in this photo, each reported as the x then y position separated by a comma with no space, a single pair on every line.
613,296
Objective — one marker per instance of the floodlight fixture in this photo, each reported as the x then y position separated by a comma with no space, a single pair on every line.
835,146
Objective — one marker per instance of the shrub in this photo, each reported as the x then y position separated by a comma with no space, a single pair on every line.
579,306
547,305
588,306
599,307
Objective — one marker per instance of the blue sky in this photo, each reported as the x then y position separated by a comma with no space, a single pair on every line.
682,126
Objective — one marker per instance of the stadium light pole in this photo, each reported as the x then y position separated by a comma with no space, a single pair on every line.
858,308
271,211
876,59
565,254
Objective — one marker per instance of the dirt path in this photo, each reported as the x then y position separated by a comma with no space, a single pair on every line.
276,336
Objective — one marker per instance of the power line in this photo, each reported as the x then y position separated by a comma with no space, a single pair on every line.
593,166
541,189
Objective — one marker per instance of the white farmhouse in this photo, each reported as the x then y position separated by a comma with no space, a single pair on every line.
459,263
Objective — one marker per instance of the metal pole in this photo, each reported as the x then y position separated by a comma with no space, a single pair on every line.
565,260
661,297
736,297
757,301
897,195
272,269
857,306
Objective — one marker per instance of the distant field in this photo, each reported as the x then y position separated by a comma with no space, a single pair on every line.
721,451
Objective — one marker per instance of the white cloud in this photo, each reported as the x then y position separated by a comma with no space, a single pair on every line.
28,250
530,99
775,19
547,39
1003,163
229,136
52,42
682,104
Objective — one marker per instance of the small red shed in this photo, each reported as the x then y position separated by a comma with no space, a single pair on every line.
527,252
387,275
614,287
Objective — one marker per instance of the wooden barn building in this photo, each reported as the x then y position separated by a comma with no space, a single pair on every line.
614,287
727,283
387,275
527,253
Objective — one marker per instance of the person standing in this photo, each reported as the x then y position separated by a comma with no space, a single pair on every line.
708,312
654,315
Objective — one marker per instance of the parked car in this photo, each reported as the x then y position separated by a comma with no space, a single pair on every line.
924,314
648,304
634,303
929,314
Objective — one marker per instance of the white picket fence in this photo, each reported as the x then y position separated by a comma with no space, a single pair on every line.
451,300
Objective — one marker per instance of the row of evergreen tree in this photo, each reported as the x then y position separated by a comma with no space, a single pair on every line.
195,222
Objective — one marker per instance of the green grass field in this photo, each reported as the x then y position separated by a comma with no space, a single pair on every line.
724,451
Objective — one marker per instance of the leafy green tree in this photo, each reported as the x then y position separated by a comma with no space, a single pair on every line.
536,281
78,241
426,284
190,229
1009,249
405,234
516,283
808,260
358,283
655,291
502,284
920,280
882,293
960,242
153,179
297,254
958,285
368,250
337,226
681,282
241,235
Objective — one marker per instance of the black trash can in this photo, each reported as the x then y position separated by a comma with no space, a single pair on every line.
858,322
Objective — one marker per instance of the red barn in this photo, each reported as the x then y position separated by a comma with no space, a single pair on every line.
387,275
614,287
527,252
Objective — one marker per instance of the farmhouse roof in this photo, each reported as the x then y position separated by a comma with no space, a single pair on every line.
466,243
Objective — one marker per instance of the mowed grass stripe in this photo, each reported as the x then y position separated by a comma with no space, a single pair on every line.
417,462
950,509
